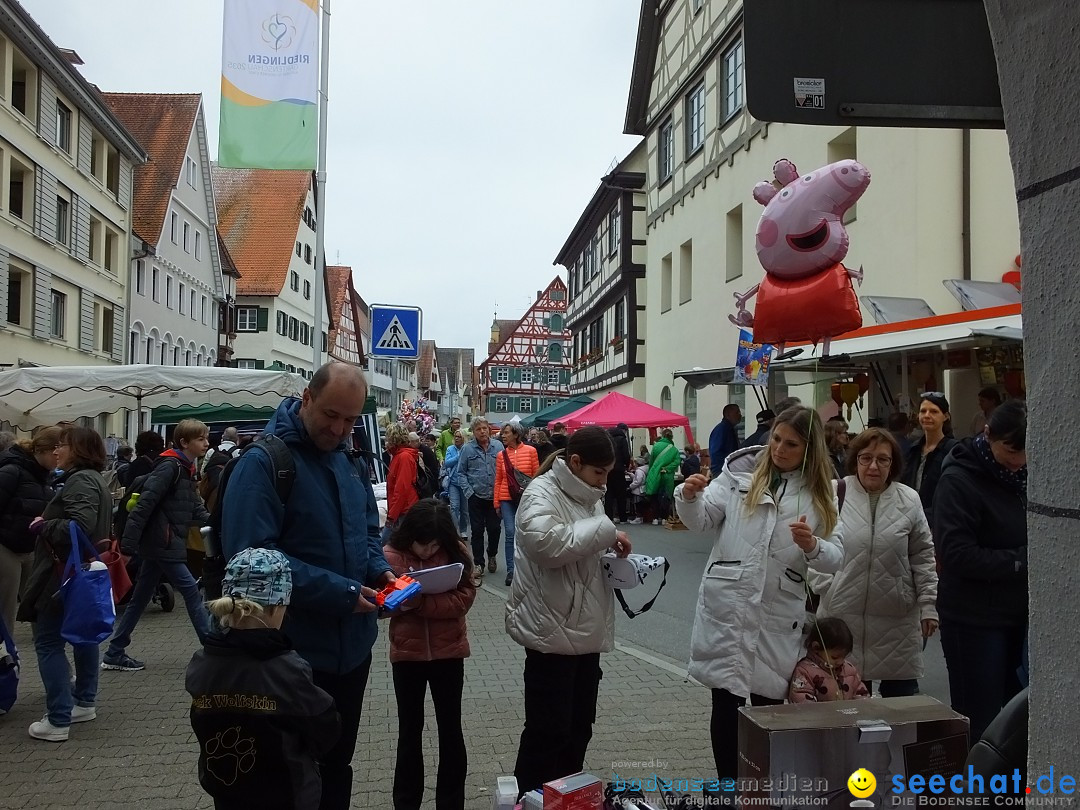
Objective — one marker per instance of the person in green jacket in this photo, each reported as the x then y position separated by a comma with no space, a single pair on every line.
446,439
660,482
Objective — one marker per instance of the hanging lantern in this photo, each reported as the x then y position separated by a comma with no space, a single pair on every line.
834,392
863,381
849,392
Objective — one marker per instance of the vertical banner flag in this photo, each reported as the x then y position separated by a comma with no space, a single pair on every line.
269,84
752,360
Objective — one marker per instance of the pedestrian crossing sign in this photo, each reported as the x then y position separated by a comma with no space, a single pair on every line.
395,331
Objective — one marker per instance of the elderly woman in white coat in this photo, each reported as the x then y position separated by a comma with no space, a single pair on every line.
887,587
775,513
560,609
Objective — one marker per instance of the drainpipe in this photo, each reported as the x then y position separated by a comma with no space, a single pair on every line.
965,225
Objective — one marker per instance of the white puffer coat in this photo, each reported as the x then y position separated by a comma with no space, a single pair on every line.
747,635
888,583
559,602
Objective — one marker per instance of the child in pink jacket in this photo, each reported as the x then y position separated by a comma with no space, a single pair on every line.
825,673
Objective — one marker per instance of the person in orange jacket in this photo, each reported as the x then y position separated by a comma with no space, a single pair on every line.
401,492
522,458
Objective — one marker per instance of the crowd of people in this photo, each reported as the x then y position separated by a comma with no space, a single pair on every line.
882,540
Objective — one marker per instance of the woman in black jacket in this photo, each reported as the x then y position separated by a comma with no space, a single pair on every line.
24,472
922,466
981,536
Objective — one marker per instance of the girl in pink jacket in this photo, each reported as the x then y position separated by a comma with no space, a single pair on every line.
825,673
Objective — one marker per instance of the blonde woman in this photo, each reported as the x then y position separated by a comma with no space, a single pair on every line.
775,513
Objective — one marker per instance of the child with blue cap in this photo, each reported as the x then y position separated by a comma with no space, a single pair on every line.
261,722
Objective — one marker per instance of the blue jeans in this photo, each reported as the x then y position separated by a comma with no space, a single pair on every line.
459,506
60,697
150,573
508,509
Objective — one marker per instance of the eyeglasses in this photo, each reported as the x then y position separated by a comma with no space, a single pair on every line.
865,460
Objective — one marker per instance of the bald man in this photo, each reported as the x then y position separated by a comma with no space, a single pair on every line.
329,530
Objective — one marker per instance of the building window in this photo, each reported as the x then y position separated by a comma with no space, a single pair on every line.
665,283
526,376
734,268
620,318
21,191
169,292
665,398
587,264
307,253
613,231
23,85
695,119
107,327
525,404
596,336
307,290
294,329
183,299
502,375
733,80
202,305
665,152
140,277
191,305
192,173
690,407
305,332
282,323
558,295
686,272
553,376
198,246
15,291
155,286
173,226
502,404
187,237
294,281
59,314
63,126
247,319
299,250
246,364
63,220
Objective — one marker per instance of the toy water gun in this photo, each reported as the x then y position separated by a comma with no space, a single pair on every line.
396,592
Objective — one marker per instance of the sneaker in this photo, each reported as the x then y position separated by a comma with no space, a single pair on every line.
509,580
122,662
83,714
635,522
478,575
493,564
44,730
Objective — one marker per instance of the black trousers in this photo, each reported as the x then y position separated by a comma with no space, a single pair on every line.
347,690
897,687
482,515
982,664
615,497
724,729
560,709
411,680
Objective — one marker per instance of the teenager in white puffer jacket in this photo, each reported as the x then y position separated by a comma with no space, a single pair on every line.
560,609
775,513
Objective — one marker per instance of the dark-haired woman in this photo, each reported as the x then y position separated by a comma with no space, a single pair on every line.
981,534
84,499
428,647
886,589
774,512
560,609
148,446
922,466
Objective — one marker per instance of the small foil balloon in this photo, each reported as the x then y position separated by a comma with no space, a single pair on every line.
801,243
849,392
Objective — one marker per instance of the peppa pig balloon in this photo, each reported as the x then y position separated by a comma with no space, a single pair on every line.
801,241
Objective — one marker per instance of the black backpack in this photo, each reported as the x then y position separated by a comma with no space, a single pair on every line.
427,481
283,471
120,518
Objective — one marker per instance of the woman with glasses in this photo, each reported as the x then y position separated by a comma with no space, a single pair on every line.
887,586
922,467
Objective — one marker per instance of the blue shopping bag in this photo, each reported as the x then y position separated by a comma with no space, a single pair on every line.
9,670
87,593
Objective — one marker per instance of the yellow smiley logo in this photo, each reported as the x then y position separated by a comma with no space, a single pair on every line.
861,783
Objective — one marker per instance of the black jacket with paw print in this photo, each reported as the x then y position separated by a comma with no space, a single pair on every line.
261,722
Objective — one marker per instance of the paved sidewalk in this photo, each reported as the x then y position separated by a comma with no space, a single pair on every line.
140,752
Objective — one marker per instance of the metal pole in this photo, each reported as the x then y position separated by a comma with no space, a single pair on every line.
393,390
320,189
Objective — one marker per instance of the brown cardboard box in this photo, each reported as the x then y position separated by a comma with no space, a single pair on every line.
582,791
802,755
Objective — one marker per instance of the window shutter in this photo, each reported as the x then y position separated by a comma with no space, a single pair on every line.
86,321
85,145
46,108
42,302
3,288
45,204
119,330
124,197
262,320
260,364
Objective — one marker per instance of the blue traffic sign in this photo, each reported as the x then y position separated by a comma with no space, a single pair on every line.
395,331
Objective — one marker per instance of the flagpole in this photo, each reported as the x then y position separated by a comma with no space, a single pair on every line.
320,189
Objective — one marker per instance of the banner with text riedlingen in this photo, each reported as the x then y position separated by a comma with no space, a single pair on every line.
269,84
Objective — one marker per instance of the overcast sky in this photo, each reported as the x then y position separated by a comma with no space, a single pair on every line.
465,138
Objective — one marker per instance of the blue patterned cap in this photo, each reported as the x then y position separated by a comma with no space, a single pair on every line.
259,574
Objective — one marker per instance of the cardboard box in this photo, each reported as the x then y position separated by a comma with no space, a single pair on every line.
582,791
802,755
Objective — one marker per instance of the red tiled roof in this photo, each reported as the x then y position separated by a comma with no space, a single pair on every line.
162,123
259,211
339,293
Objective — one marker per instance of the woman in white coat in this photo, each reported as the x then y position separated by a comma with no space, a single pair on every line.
775,511
887,587
560,608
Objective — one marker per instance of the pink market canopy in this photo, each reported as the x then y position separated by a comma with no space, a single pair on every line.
615,408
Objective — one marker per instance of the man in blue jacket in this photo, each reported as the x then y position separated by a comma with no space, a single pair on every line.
329,530
723,441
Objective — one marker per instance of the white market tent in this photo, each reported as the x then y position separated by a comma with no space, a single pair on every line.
33,397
